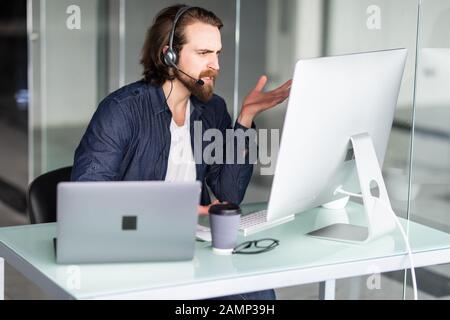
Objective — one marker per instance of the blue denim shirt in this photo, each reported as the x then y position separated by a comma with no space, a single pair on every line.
128,138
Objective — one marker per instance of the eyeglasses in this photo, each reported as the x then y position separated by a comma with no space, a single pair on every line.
256,246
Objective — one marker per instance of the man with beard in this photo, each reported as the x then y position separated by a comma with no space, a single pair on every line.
144,131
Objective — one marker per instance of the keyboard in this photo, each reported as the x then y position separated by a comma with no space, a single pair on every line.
250,223
253,219
257,221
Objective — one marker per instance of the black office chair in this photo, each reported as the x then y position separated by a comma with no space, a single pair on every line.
42,195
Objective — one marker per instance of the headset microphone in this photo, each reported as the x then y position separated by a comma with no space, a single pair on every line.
199,82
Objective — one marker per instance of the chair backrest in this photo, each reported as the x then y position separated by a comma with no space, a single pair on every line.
42,195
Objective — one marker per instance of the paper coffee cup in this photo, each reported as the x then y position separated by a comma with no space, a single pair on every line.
224,222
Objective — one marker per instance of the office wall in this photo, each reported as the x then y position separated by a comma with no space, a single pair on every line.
365,25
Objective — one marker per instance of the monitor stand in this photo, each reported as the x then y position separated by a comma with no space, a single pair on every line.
377,209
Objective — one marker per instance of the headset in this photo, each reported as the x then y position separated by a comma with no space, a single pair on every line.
170,57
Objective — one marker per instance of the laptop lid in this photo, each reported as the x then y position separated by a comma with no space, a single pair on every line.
126,221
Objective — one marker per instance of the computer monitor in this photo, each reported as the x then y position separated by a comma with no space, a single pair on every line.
334,140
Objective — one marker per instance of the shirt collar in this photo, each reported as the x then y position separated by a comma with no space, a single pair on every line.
197,105
159,104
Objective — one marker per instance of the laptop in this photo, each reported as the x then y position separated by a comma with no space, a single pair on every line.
126,221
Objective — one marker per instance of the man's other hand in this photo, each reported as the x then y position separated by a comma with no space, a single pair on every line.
204,210
258,101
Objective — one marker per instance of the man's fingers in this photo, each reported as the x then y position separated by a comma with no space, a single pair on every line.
274,100
203,210
261,83
263,80
287,84
275,96
284,87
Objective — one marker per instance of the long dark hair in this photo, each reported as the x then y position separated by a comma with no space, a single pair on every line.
155,70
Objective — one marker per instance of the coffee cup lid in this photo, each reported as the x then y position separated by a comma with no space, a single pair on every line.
226,209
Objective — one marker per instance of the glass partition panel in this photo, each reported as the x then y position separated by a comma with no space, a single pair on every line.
67,49
430,181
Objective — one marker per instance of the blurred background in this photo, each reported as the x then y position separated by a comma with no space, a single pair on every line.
59,58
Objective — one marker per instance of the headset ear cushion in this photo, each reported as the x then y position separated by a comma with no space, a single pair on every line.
170,58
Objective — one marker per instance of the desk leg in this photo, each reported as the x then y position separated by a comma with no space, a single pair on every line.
327,290
2,279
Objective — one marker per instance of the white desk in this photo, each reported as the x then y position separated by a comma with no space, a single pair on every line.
299,259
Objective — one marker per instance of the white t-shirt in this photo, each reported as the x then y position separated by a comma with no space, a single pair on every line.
181,164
